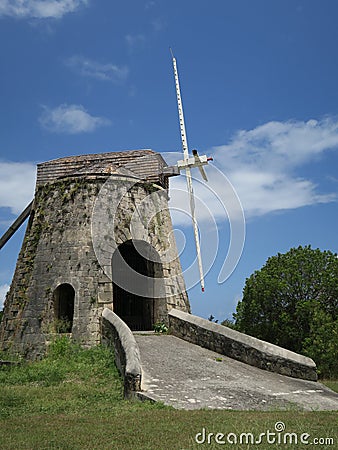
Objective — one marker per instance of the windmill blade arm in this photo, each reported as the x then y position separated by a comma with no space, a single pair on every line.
186,165
204,175
180,110
16,225
195,226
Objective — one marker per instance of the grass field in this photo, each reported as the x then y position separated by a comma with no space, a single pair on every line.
73,400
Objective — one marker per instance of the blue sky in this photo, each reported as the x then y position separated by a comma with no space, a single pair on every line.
260,94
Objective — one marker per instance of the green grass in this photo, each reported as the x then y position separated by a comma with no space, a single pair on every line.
332,384
73,400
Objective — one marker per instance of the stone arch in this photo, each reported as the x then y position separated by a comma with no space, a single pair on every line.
63,300
138,286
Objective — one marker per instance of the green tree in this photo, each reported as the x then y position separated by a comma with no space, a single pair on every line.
322,344
228,323
292,301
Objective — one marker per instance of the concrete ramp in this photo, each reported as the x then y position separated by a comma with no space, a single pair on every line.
187,376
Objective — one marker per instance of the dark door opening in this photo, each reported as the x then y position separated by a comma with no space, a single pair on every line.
64,308
133,296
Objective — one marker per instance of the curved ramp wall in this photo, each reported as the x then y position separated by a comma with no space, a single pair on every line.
127,355
241,346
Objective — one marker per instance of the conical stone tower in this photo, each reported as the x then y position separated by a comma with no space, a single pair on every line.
99,235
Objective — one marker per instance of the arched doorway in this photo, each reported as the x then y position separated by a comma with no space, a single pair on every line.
136,267
63,297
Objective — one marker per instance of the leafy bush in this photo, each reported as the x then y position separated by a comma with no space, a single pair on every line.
62,325
61,347
160,327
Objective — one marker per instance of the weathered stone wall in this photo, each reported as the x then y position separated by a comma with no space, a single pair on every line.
58,249
116,334
240,346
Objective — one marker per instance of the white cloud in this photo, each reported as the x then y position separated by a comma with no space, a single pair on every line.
135,40
158,25
40,9
263,165
17,182
150,4
70,119
99,71
3,291
282,143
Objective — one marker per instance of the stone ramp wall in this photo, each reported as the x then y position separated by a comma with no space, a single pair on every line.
240,346
127,355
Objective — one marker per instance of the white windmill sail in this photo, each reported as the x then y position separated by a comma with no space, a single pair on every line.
186,164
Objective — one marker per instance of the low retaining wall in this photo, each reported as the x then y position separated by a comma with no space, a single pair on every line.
240,346
127,355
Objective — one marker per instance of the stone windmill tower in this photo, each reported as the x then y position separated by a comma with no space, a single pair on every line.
99,234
